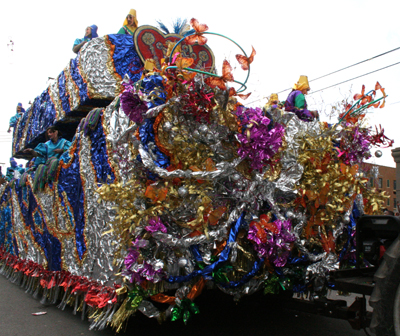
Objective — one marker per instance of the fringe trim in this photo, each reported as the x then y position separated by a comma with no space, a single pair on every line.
97,302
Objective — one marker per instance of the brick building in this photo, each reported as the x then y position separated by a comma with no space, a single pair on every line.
384,179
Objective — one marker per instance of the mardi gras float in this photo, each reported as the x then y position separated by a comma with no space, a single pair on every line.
173,187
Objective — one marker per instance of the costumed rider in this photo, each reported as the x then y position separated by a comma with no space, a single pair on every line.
14,119
2,177
296,101
130,23
272,109
90,33
14,171
54,147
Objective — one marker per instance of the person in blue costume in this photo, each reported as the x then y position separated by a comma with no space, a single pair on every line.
90,33
10,174
296,101
2,177
54,147
14,118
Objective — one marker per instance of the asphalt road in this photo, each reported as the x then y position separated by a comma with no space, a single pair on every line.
222,317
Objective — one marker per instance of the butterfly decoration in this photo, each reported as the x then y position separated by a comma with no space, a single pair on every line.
232,92
210,165
262,225
379,87
198,37
368,98
182,63
246,61
345,169
364,99
220,81
328,242
156,194
216,215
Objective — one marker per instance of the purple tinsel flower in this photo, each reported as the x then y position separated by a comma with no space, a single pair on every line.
134,253
132,105
155,225
355,145
138,271
259,142
276,248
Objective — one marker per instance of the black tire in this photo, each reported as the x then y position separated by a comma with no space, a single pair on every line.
385,298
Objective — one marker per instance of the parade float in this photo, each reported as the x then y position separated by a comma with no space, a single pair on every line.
173,187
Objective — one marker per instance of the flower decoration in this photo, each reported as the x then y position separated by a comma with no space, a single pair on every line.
272,240
355,145
138,270
155,225
259,142
380,139
132,104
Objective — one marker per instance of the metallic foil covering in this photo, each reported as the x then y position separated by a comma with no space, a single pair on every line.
93,66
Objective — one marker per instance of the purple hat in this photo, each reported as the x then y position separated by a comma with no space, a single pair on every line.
93,31
13,163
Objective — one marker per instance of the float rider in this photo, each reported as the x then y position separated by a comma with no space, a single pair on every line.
54,147
130,23
14,119
90,33
296,101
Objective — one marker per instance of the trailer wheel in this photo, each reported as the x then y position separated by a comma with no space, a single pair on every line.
385,298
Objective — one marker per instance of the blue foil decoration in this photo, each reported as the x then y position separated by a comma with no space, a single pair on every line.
126,60
223,257
146,134
63,93
77,78
35,222
70,182
6,229
196,253
98,151
247,277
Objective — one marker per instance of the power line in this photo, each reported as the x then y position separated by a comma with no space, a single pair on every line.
348,80
331,73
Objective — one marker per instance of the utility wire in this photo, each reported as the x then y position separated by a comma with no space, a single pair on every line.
348,80
368,73
331,73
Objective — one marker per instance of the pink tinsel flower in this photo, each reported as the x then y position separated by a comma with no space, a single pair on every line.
155,225
138,271
259,141
355,145
276,248
132,105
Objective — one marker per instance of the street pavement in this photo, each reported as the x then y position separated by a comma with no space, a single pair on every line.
220,317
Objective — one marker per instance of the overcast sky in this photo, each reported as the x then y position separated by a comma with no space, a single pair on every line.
291,38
